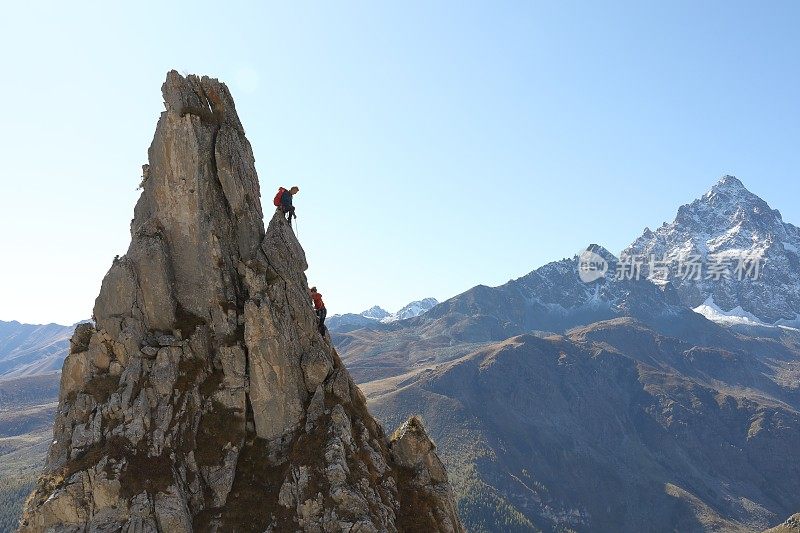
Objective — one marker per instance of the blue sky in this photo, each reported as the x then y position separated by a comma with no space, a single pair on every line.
438,145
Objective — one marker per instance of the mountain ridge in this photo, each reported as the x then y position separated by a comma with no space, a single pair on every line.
30,349
519,399
376,315
530,375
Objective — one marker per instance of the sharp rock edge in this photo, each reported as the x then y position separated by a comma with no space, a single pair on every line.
203,397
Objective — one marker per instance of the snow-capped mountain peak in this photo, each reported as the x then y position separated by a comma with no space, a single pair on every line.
726,226
376,312
728,204
730,184
413,309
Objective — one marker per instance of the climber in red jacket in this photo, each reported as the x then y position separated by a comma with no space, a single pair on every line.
283,200
319,307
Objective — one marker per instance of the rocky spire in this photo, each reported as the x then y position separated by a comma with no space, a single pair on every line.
204,398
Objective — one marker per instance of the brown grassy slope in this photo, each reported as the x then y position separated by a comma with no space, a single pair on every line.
26,427
613,427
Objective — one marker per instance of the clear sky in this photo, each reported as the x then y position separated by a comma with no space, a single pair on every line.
438,145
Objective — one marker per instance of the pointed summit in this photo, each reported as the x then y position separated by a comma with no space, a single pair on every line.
729,183
726,224
377,312
729,191
204,398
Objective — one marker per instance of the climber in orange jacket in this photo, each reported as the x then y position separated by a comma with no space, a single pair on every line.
319,307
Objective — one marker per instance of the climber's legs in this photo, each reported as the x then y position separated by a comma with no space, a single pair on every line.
321,314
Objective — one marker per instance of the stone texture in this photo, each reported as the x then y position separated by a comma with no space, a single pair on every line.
412,449
791,525
204,398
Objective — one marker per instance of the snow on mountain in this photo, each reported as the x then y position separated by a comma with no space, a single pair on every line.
348,322
411,310
555,298
737,315
376,315
376,312
748,258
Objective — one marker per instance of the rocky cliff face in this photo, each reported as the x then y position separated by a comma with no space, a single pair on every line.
204,398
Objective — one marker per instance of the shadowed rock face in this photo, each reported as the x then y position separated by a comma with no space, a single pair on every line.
204,397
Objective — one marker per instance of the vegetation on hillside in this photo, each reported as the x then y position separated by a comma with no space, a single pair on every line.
13,492
27,406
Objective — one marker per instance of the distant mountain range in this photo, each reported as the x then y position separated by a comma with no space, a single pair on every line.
31,349
614,404
376,314
36,349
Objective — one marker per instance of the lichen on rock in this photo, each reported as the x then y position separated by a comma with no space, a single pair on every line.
203,397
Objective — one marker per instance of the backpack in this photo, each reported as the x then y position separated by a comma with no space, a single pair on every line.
277,200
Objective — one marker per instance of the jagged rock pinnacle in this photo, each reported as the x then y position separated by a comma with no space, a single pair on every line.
204,398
